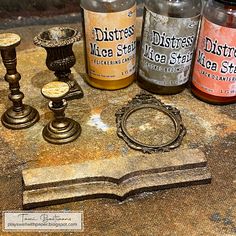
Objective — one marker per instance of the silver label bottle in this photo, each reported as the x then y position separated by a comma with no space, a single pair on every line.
168,43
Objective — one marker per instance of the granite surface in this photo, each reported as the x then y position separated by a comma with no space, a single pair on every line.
199,210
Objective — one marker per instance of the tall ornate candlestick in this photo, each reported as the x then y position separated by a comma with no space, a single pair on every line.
19,116
62,129
58,42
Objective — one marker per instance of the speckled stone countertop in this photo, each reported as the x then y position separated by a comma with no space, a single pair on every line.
198,210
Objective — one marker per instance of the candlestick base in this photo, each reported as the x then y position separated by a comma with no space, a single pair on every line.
25,118
61,131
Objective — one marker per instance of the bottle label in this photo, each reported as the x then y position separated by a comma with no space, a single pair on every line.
110,44
167,48
215,64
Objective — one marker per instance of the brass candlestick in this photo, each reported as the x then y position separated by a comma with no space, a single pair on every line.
61,130
58,42
19,116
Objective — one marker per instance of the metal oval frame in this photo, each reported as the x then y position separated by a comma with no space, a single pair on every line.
145,100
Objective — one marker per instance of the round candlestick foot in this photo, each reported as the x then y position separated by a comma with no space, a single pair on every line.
20,119
62,132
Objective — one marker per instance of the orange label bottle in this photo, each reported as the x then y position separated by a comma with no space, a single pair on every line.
110,44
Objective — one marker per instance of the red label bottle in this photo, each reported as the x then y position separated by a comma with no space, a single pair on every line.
214,73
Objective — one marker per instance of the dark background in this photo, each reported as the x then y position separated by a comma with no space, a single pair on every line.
20,13
28,8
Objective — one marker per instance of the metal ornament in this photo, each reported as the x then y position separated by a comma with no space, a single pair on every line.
144,101
19,116
62,129
58,42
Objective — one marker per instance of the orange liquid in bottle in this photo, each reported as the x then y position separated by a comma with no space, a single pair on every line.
105,38
230,22
110,84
